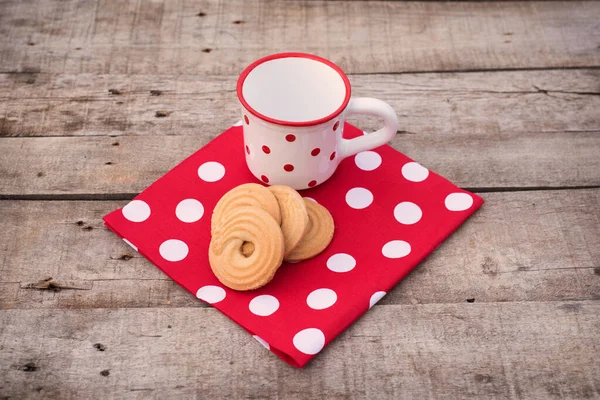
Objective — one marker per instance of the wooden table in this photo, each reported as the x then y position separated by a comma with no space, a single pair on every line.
502,98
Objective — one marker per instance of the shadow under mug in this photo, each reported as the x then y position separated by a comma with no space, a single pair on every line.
293,110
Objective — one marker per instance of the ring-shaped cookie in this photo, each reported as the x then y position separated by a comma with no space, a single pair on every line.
248,194
318,234
229,264
294,218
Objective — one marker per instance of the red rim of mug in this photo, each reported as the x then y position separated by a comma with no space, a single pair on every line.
246,72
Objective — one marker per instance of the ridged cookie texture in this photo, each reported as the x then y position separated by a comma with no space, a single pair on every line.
237,228
294,217
318,234
248,194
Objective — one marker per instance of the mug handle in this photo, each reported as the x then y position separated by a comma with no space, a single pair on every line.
370,106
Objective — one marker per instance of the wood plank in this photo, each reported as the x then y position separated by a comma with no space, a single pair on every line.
432,104
520,246
222,37
492,351
509,129
105,167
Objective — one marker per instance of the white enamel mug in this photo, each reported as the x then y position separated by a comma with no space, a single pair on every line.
293,110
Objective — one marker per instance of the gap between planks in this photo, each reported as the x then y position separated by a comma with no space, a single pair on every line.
130,196
407,72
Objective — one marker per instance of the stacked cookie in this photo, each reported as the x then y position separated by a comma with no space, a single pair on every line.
255,228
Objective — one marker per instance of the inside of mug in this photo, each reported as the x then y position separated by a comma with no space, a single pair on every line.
295,89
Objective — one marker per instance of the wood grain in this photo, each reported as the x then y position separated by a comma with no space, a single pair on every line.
521,246
222,37
493,351
108,168
430,104
481,130
506,308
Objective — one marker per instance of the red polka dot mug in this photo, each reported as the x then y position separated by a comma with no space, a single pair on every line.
293,110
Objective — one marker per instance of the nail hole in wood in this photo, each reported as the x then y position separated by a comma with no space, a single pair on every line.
470,300
207,50
40,174
105,372
99,347
115,91
29,367
201,14
156,92
162,113
483,378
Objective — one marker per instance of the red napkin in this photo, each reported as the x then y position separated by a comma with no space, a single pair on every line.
389,212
